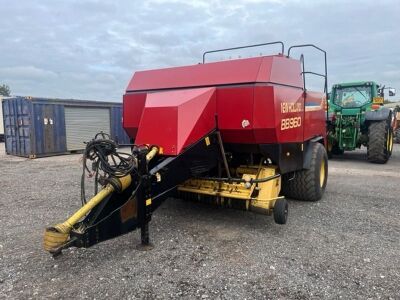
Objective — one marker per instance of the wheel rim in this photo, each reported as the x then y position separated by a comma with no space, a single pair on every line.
322,173
390,141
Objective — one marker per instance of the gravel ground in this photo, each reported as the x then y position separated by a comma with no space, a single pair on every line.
344,246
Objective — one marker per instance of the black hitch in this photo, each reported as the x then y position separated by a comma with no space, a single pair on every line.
152,182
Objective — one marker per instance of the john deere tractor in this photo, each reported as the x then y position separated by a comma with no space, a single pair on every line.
358,118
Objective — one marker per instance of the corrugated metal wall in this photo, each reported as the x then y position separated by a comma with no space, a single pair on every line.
118,133
40,127
83,123
17,126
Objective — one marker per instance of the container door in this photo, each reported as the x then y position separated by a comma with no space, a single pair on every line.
49,135
83,123
10,127
48,122
17,123
23,108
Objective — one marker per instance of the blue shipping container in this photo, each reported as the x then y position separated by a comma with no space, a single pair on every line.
35,127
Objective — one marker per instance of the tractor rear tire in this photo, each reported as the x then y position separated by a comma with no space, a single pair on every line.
337,151
380,142
281,211
308,184
397,136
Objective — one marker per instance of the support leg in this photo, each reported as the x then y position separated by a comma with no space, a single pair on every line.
145,244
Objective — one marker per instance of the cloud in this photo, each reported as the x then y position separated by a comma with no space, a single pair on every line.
90,49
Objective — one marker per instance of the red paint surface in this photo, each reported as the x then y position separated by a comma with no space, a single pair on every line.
174,120
276,68
133,105
243,94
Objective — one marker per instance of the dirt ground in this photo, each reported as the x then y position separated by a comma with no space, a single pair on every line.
345,246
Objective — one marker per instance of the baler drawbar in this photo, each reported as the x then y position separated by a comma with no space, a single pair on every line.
241,133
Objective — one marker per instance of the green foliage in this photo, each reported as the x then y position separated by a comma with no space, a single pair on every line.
5,90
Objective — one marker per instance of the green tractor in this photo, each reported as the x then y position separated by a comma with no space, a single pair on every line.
358,118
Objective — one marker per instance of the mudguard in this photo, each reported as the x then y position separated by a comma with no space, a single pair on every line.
308,151
378,115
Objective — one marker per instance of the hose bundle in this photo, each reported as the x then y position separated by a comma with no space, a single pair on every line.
106,161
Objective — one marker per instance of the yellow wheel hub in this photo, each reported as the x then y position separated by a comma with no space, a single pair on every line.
322,173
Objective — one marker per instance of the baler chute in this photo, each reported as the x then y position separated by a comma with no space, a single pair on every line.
241,133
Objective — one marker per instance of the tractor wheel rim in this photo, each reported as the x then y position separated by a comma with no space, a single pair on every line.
322,174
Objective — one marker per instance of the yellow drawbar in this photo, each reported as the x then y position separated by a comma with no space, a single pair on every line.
56,236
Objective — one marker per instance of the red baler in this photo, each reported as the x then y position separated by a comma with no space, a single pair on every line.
240,133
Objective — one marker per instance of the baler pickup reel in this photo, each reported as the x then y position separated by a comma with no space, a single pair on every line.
134,185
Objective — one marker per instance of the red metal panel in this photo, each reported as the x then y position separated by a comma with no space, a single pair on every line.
133,105
289,114
200,110
278,69
235,114
264,115
286,71
315,115
247,114
226,72
158,126
173,120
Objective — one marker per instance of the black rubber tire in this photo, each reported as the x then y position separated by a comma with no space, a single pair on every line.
337,151
378,134
281,210
305,184
396,136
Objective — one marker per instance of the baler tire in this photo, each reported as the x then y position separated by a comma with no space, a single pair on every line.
306,184
281,209
378,150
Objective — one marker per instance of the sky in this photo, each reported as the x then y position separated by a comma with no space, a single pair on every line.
89,49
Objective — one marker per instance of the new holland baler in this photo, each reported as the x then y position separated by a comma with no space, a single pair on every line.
240,133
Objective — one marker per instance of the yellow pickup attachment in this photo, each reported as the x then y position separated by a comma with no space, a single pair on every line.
258,197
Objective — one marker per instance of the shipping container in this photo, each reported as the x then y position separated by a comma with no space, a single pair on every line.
35,127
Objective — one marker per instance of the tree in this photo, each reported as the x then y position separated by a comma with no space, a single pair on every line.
5,90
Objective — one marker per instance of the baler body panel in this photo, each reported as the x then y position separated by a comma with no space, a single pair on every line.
174,120
275,69
257,101
133,105
315,115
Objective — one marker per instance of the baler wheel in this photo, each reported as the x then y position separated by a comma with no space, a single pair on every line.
281,209
308,184
380,142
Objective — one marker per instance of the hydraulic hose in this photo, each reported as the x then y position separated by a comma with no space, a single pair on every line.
241,180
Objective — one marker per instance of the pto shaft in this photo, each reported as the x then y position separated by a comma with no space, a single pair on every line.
57,235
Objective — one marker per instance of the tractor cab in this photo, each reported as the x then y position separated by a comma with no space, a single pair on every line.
355,96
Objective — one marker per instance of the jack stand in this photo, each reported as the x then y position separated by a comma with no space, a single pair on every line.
145,244
144,202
